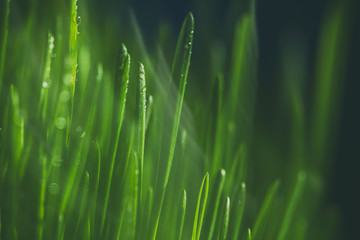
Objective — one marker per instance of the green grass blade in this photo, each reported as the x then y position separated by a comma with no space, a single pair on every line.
87,229
249,234
243,43
225,221
17,127
219,133
262,218
239,211
179,72
289,214
141,121
3,39
120,93
218,187
73,54
181,215
84,198
44,94
148,206
331,63
202,199
41,210
48,61
121,86
135,192
149,111
94,191
238,168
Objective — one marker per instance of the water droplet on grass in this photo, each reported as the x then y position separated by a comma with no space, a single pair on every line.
67,79
60,123
56,161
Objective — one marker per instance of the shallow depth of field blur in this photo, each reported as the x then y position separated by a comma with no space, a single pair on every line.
173,119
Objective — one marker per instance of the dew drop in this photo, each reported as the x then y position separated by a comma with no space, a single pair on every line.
45,85
78,20
67,79
60,123
56,161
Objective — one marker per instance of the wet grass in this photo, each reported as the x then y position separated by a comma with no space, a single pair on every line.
93,146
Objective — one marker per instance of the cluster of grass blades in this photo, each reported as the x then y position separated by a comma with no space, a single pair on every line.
94,146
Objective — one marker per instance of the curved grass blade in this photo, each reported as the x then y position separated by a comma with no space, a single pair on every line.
201,201
261,220
180,70
301,179
331,63
120,93
243,42
225,221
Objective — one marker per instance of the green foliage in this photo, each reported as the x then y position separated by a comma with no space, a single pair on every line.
92,149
